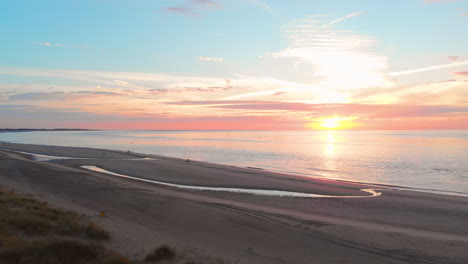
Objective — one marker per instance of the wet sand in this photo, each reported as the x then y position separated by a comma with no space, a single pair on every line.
399,226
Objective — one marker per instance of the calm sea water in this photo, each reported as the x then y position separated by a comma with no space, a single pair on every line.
431,160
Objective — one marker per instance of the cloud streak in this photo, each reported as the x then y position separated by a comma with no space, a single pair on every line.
181,11
462,73
343,18
263,5
208,3
49,44
430,68
210,59
437,1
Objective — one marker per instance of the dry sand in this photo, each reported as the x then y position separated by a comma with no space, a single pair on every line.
400,226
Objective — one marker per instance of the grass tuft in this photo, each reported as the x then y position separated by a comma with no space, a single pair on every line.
163,252
95,232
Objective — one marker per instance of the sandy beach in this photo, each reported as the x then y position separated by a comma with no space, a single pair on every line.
349,226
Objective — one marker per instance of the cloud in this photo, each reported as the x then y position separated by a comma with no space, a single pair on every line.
70,46
187,10
464,14
438,1
451,92
318,110
343,18
462,73
341,59
430,68
49,44
210,59
181,11
138,95
279,93
208,3
453,58
263,6
56,96
163,91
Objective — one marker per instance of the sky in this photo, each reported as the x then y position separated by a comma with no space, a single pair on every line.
234,64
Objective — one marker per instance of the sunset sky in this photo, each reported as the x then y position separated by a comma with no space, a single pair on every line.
234,64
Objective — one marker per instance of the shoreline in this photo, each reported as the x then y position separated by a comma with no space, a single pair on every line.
284,173
400,226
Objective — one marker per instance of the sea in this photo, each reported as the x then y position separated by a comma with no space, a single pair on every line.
434,161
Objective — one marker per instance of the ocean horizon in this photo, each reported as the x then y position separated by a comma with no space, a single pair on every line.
432,161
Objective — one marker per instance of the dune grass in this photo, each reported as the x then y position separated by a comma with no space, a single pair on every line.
31,231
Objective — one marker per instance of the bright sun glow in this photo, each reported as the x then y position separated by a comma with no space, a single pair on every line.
333,123
330,123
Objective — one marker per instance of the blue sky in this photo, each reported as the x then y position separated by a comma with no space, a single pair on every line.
260,45
128,35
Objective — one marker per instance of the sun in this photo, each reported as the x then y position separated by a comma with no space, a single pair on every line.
330,123
333,123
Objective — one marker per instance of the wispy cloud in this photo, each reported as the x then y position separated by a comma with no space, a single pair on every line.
181,11
189,8
342,59
208,3
462,73
438,1
210,59
49,44
363,110
343,18
453,58
430,68
451,92
263,5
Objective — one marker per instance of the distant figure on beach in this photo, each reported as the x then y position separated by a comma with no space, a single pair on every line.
188,160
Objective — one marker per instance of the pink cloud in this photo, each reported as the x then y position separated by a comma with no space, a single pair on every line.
214,89
438,1
462,73
208,3
266,123
317,110
196,123
181,11
279,93
453,58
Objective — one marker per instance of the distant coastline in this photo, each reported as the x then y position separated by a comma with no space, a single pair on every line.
3,130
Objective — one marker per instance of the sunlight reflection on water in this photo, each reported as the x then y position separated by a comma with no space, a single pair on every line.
420,159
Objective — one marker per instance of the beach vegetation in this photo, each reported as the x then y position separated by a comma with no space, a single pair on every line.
163,252
31,231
